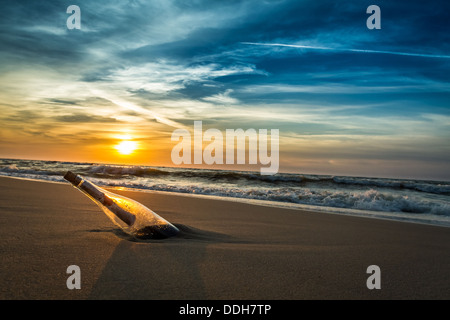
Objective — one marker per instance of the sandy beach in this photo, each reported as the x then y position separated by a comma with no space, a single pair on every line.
226,250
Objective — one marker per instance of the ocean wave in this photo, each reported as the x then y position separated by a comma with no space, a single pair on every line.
422,186
15,170
110,171
107,171
218,176
372,200
372,194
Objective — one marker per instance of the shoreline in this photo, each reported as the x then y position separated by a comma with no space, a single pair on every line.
379,215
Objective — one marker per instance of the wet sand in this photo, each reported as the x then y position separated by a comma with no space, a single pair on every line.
226,250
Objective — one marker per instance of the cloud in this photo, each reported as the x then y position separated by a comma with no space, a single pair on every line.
422,55
61,102
83,118
164,76
135,108
222,98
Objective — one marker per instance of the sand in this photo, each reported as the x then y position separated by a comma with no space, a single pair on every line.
226,250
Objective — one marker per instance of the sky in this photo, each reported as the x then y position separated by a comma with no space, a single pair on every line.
347,100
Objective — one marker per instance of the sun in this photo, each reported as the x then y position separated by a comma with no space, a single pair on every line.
126,147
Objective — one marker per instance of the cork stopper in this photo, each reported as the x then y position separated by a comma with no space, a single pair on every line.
72,178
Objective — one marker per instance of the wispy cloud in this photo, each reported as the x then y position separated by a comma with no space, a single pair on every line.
222,98
412,54
138,109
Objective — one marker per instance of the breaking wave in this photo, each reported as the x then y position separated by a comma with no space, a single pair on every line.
409,196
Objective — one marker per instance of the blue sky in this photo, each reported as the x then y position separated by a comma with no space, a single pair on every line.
347,100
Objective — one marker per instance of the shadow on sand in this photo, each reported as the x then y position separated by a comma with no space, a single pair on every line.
157,269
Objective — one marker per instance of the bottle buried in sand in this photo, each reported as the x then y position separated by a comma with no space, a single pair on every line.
133,217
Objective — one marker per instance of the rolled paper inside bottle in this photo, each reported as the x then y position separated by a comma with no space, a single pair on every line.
123,215
91,190
96,194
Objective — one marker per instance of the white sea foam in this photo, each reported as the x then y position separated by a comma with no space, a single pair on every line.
404,199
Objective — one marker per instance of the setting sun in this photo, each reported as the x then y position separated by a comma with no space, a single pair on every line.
126,147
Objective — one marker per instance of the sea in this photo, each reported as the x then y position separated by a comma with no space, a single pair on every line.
410,200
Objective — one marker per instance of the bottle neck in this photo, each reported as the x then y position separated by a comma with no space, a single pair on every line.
98,195
73,178
85,186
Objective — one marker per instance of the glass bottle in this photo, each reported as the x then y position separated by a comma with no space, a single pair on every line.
130,215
